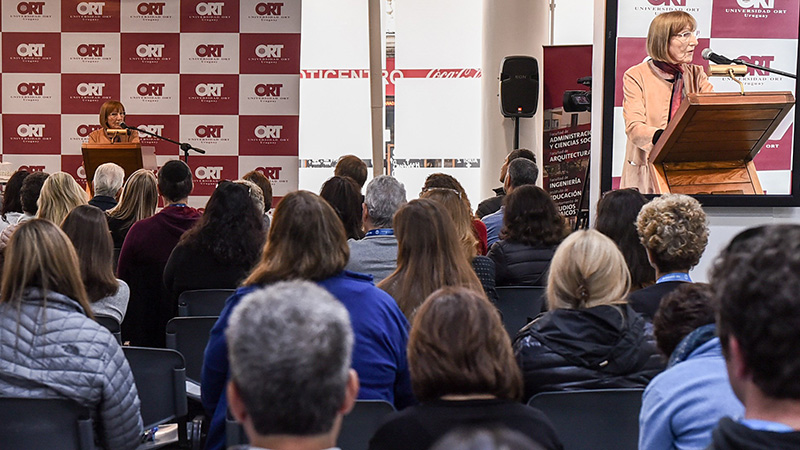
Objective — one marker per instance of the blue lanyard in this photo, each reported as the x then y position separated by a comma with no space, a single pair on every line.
178,205
675,276
380,232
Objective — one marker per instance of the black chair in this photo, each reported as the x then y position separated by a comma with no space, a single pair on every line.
44,424
603,419
189,336
358,427
111,325
160,376
519,305
203,302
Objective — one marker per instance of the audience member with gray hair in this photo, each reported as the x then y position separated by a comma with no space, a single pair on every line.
521,171
376,253
290,348
107,183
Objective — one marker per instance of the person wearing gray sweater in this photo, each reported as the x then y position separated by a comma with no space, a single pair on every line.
376,253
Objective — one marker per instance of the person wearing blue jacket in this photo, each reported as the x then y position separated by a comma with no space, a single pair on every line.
307,241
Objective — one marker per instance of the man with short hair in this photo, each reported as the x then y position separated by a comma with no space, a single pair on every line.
756,280
107,183
290,346
376,253
352,166
521,171
493,204
145,252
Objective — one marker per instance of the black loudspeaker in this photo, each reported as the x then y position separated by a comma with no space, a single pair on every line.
519,86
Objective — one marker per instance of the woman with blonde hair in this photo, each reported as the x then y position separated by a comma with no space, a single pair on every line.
50,344
463,373
429,255
462,218
87,229
445,181
590,338
307,241
60,194
137,201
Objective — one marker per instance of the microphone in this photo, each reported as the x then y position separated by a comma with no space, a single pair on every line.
123,125
709,55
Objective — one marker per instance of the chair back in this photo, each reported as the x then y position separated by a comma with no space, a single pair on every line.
519,305
189,336
45,424
360,425
593,419
160,376
203,302
111,325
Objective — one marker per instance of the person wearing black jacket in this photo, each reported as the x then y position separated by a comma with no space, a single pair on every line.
532,228
590,338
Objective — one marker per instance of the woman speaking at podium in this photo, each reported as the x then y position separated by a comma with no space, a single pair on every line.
653,91
112,114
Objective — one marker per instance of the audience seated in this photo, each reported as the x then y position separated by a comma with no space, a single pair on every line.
590,338
462,219
445,181
376,253
49,344
263,183
107,183
674,232
616,218
463,373
221,248
682,405
521,171
429,255
756,280
12,205
492,204
145,253
344,195
137,201
87,229
59,195
307,241
352,166
532,229
290,349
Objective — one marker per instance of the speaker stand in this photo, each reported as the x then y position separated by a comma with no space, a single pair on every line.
516,133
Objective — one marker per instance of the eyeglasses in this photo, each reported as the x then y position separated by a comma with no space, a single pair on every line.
687,34
440,189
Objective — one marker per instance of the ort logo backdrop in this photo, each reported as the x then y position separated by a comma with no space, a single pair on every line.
222,75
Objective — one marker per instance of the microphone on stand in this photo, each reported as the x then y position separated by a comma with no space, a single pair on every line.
709,55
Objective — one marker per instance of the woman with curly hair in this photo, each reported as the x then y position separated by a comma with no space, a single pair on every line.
616,218
532,229
221,248
674,231
12,204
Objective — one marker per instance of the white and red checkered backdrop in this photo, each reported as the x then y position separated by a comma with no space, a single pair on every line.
222,75
763,32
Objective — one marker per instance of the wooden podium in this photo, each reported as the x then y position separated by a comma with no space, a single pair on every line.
709,146
131,157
